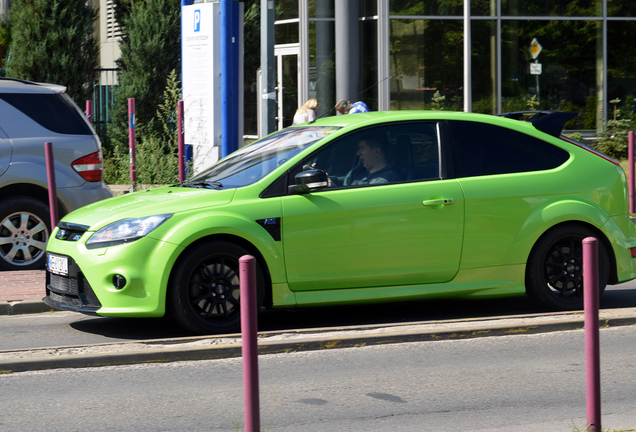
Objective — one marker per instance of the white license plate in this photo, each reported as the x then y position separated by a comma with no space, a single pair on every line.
58,265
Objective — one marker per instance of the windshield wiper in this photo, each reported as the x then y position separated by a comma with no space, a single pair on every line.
202,184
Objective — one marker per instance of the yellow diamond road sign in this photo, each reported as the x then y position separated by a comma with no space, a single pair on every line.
535,48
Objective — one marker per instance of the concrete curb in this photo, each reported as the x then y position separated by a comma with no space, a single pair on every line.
229,346
24,307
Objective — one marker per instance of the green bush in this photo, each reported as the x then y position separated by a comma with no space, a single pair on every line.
613,141
156,155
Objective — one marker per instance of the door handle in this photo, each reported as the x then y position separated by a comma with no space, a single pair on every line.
438,202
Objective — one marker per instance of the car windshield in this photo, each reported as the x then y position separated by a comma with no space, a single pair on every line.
251,163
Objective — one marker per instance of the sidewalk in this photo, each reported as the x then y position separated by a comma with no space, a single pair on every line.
22,292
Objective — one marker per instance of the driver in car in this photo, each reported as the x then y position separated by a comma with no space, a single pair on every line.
372,151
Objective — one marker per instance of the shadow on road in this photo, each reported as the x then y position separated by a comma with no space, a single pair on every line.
328,317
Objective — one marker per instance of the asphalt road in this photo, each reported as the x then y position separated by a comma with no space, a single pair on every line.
515,383
66,328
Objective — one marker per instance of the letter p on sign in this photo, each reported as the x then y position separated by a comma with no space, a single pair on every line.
197,20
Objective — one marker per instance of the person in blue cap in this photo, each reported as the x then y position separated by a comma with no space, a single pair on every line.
346,107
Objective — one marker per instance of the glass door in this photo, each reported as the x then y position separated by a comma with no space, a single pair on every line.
287,80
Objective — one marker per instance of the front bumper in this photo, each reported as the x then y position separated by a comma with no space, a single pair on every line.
72,292
89,286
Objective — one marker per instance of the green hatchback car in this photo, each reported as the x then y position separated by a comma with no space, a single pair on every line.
371,207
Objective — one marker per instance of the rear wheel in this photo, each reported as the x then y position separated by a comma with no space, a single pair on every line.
24,231
554,275
205,288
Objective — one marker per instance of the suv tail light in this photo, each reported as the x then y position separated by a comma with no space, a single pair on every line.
90,167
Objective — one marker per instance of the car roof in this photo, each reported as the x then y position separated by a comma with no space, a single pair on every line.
13,85
550,122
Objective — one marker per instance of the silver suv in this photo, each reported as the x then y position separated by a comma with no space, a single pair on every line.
30,115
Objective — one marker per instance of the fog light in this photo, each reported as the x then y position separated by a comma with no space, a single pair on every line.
119,281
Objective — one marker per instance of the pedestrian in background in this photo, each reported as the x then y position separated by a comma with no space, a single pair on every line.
307,112
346,107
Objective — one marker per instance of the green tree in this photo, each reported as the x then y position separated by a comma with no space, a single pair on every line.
5,39
52,41
150,50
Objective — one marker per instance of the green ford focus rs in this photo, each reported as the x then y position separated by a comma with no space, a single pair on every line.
370,207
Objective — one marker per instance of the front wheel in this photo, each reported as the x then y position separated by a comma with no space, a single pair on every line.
205,288
554,275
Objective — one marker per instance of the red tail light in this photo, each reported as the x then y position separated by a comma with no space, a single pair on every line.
90,167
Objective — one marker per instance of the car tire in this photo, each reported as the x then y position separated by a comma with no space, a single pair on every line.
204,289
554,275
24,232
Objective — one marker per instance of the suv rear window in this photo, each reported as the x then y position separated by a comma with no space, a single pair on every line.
56,112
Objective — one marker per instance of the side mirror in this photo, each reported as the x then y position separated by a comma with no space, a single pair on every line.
310,181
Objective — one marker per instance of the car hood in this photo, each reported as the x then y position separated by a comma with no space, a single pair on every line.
147,203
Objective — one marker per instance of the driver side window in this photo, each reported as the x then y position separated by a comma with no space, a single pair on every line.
394,153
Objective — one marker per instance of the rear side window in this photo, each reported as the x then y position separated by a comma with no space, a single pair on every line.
484,149
56,112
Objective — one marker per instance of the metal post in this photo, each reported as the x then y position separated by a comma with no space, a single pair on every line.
592,345
247,269
229,111
267,120
468,98
181,141
50,178
630,159
131,143
89,111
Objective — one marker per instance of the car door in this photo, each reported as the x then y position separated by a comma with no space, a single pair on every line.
506,176
6,149
403,233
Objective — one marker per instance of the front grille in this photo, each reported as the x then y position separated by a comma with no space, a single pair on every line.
66,300
72,290
63,284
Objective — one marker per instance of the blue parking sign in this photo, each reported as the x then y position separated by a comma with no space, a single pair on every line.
197,20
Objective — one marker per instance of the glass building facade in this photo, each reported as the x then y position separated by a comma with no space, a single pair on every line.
411,55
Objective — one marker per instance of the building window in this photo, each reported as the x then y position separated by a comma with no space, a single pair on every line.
429,8
566,76
369,63
566,8
426,63
621,67
322,72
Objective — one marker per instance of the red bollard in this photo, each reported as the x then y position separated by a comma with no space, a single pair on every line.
247,269
50,178
89,111
630,174
181,141
592,343
131,143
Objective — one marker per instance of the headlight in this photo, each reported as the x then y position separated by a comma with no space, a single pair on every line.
125,230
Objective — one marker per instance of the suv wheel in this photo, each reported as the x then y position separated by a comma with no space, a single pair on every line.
24,231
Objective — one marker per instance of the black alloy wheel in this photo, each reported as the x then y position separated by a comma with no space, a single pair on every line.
205,288
554,275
